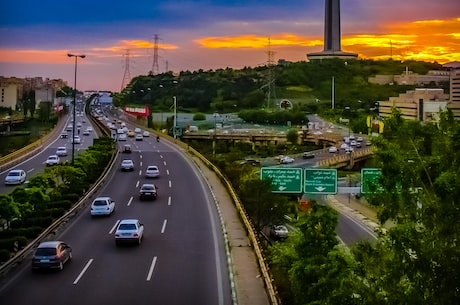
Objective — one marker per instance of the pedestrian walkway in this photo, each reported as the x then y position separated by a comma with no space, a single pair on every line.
247,278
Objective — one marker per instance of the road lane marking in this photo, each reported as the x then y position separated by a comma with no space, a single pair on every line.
163,228
140,172
164,163
114,226
170,183
137,183
152,266
167,172
32,169
130,200
161,156
140,164
169,200
83,271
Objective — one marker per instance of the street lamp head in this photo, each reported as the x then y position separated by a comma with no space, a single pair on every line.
75,55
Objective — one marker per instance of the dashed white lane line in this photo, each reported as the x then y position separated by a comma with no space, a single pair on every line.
114,226
83,271
163,228
167,172
152,266
170,183
169,200
130,200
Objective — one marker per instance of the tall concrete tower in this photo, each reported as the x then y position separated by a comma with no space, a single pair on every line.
332,47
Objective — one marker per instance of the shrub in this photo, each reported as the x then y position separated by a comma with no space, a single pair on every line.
199,116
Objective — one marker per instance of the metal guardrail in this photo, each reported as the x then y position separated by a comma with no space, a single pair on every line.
27,151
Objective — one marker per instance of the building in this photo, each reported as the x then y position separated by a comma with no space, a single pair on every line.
420,104
332,34
10,92
454,104
409,78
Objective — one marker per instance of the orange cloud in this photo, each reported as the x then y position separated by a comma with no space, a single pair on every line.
255,42
427,40
34,56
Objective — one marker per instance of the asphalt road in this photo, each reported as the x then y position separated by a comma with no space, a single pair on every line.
180,261
37,164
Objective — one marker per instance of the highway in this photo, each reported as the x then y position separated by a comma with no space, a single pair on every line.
181,260
36,164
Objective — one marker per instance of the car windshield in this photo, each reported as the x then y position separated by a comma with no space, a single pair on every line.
152,168
148,187
127,226
13,174
100,202
45,252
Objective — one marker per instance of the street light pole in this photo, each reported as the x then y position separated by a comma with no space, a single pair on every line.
74,103
175,116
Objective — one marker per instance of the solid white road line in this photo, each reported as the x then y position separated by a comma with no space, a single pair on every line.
152,266
83,271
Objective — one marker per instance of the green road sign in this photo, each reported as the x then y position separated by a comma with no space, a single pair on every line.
320,181
284,179
370,179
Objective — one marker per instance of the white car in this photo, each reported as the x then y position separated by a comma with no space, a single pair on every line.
139,137
137,130
286,160
86,132
15,176
333,149
102,206
89,128
146,134
127,165
53,160
152,171
122,137
61,151
344,146
76,140
129,230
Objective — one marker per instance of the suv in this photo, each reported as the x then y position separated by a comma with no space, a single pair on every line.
102,206
51,254
148,191
127,149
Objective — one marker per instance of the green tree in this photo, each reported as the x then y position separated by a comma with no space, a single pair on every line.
418,260
263,207
8,209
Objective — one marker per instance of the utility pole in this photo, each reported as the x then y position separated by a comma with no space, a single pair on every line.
271,79
126,74
155,68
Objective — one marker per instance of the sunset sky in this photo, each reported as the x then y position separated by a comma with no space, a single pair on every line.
35,37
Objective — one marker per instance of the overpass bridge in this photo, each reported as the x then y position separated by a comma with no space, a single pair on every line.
335,160
259,137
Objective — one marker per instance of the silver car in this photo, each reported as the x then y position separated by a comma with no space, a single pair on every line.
127,165
152,171
15,176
